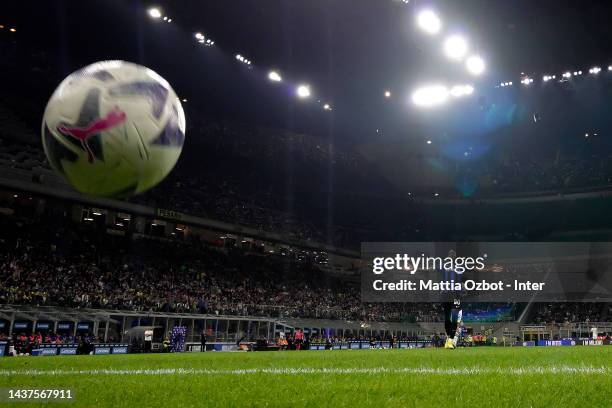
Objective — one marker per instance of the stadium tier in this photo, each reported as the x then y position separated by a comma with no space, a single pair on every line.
307,203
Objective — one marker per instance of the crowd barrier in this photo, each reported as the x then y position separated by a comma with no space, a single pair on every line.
71,349
360,345
121,348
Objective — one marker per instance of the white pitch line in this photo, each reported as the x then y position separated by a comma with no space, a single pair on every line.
332,371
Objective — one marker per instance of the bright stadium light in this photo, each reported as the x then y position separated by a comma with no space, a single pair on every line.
546,78
327,107
154,12
567,75
461,90
274,76
429,22
475,65
455,47
199,36
431,95
457,91
387,94
303,91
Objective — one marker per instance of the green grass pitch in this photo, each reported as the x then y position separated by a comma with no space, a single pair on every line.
474,377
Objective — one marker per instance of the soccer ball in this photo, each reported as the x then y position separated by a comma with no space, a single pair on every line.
113,129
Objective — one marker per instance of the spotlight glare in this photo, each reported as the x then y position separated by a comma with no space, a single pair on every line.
154,12
274,76
429,22
303,91
428,96
387,94
567,74
455,47
461,90
475,65
327,107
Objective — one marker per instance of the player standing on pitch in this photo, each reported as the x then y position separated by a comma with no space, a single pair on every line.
453,327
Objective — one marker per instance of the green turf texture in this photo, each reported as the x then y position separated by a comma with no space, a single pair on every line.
495,388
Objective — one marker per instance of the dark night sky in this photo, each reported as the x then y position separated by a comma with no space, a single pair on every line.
348,50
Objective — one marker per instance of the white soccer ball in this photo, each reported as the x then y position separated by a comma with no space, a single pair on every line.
113,129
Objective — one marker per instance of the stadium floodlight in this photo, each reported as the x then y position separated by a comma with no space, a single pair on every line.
431,95
154,12
169,20
609,67
475,65
165,18
595,70
274,76
303,91
429,142
429,22
13,30
503,84
455,47
199,36
567,74
461,90
327,107
387,94
546,78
